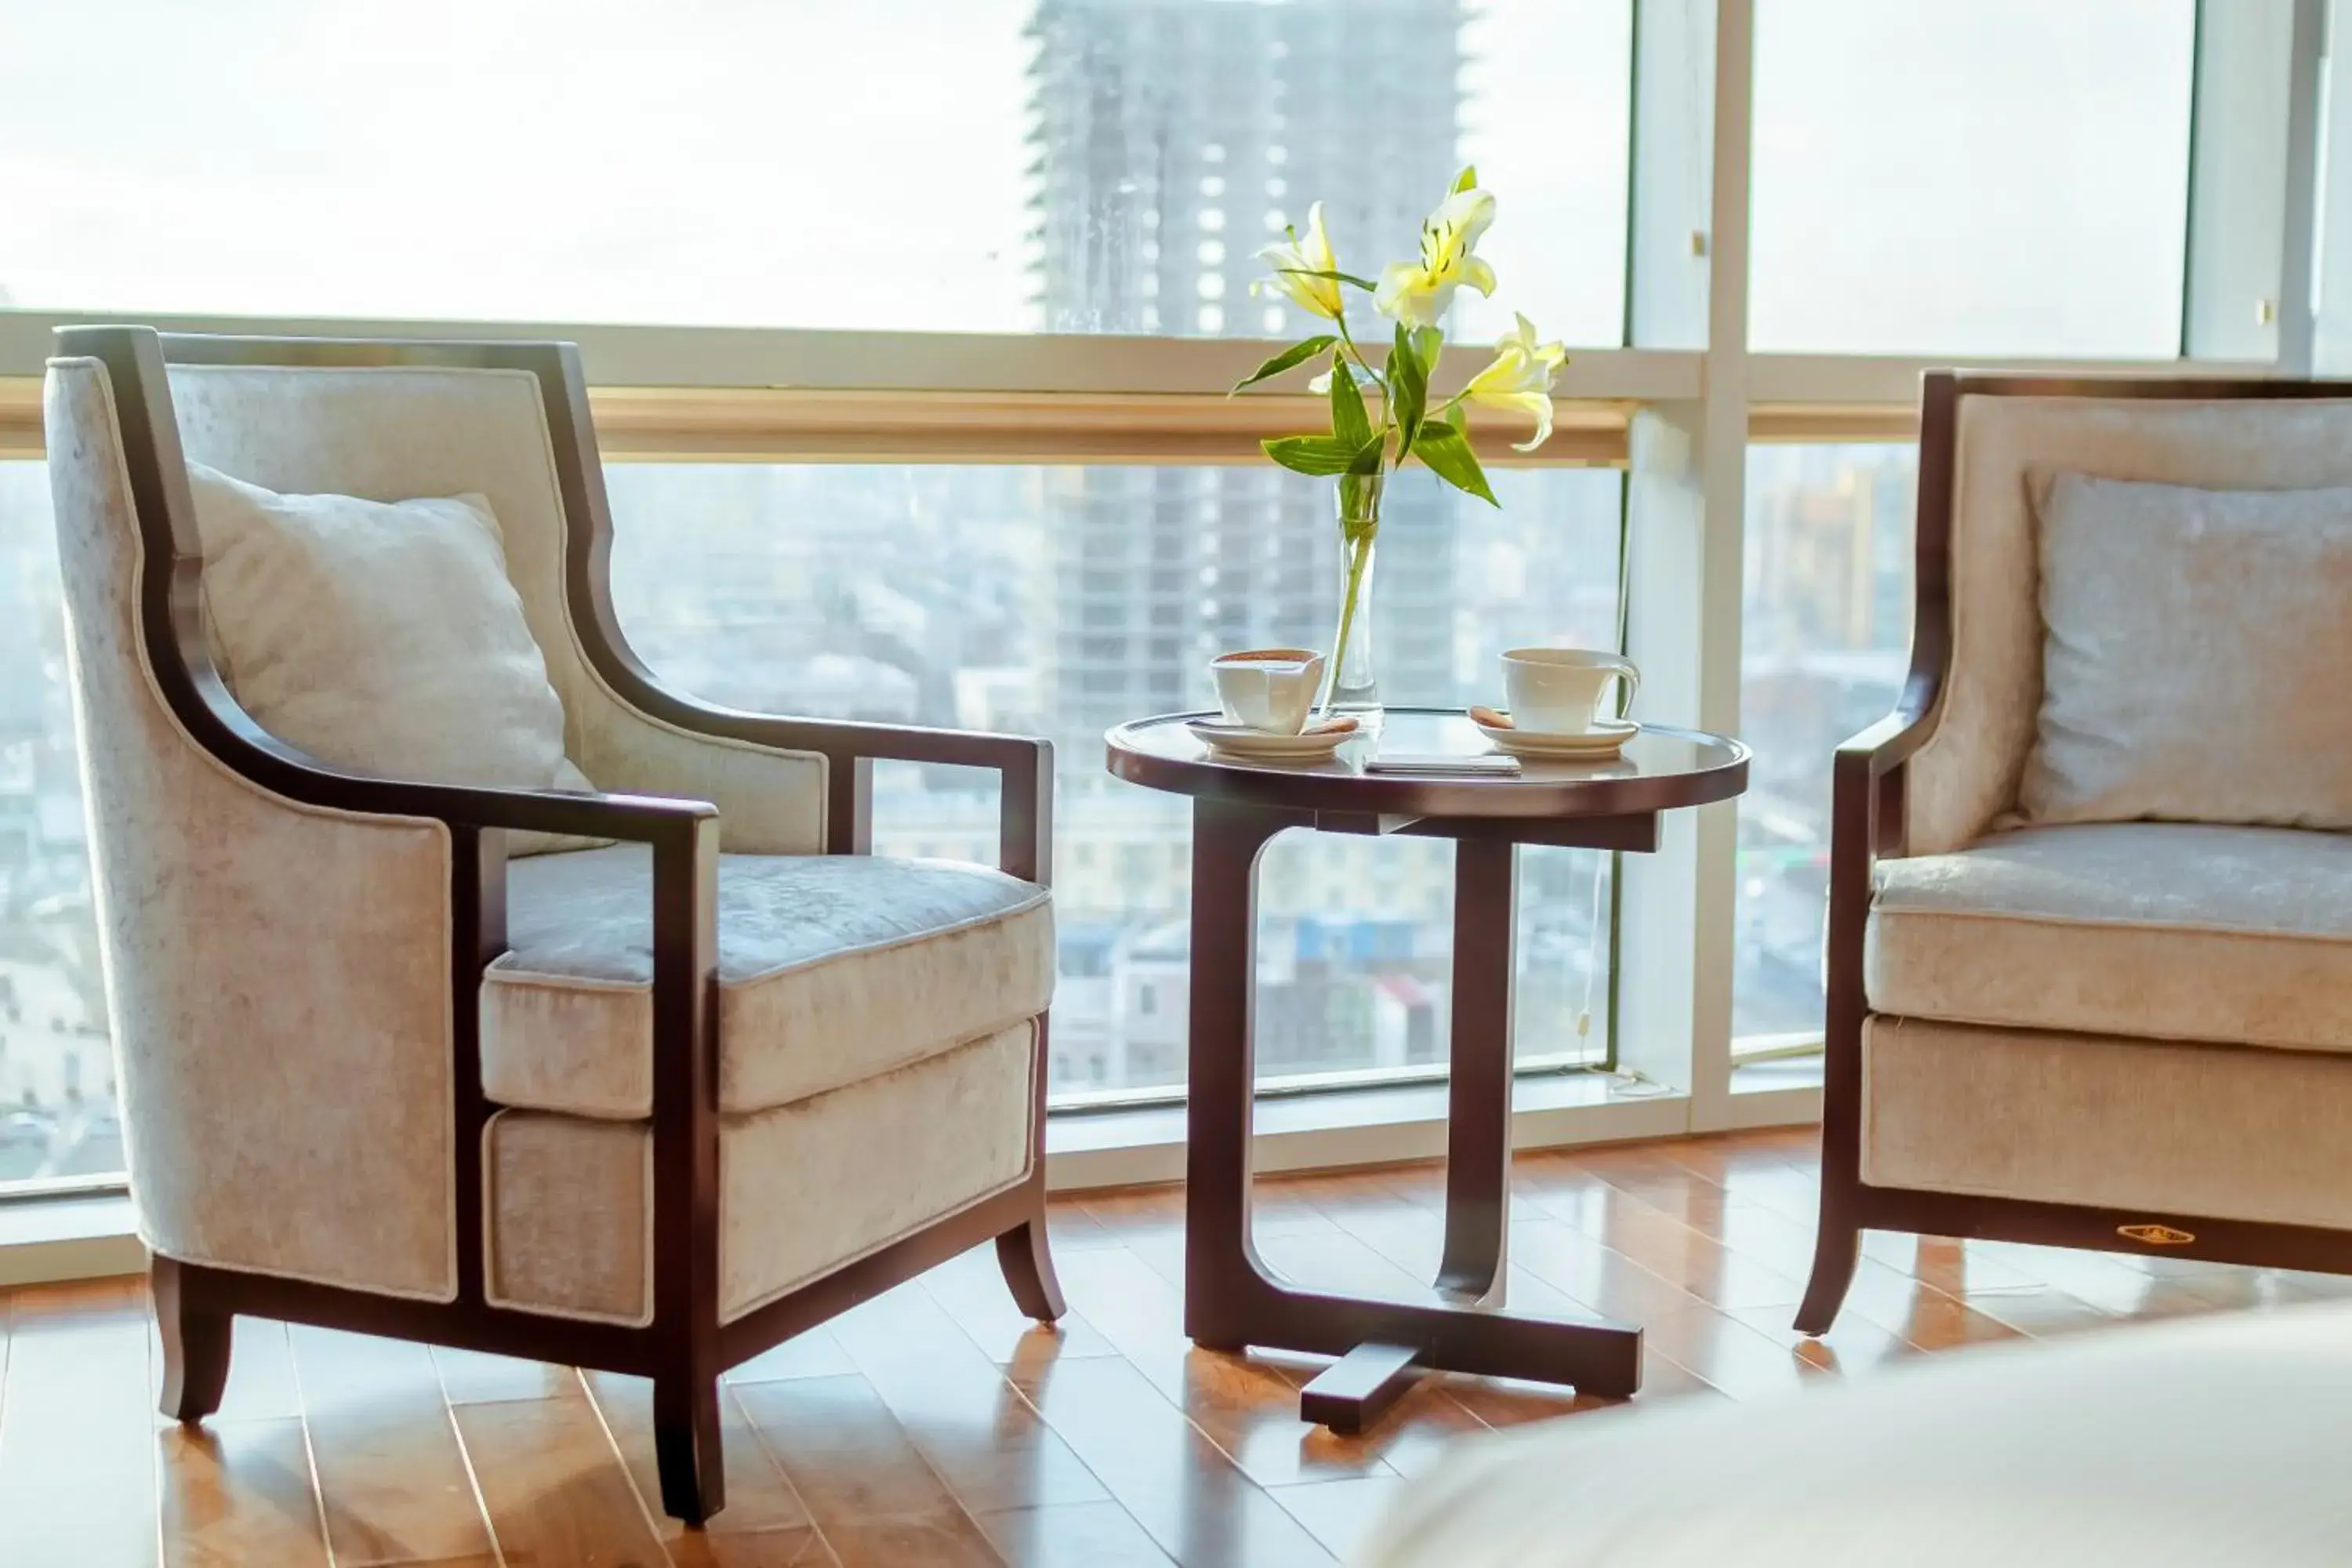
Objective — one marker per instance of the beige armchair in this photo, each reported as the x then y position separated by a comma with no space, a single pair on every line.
2127,1034
650,1108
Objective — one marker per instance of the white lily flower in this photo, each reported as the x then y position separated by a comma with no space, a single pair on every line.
1420,292
1520,379
1293,263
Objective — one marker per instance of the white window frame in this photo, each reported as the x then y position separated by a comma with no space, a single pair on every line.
1676,406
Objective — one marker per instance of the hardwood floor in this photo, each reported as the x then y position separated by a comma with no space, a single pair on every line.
935,1425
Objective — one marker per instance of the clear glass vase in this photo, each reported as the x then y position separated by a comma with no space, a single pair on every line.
1353,687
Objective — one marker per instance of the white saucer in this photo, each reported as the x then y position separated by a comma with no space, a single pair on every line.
1260,745
1605,740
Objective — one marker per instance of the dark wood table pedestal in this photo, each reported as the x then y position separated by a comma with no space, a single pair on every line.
1231,1300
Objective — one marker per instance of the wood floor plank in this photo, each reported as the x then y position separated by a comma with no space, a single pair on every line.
471,1377
2102,1280
1185,1491
765,1522
239,1492
1680,1255
392,1474
1726,1352
77,1431
1854,1346
813,1354
971,1288
1248,1409
863,1481
1589,1272
1073,1535
1340,1514
978,1432
1956,1267
554,1486
1916,1311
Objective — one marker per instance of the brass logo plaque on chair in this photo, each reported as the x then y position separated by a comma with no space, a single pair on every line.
2156,1235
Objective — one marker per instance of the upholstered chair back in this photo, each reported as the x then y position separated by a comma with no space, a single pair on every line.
393,432
1966,777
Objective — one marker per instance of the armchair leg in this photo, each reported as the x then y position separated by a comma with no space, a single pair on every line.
1027,1260
1837,1248
687,1446
195,1344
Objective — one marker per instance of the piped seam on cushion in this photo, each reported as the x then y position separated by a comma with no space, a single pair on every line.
2085,922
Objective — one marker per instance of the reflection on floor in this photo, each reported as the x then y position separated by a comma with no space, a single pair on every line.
933,1425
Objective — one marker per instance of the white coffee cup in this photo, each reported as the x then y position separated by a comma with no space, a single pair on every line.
1557,690
1268,688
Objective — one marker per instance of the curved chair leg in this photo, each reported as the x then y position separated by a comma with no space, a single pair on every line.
1027,1260
195,1344
1836,1249
687,1446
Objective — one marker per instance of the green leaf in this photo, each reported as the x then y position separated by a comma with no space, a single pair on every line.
1447,452
1319,454
1428,343
1467,178
1349,278
1408,386
1297,353
1348,421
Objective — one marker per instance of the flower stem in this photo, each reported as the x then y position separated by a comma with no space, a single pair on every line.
1358,547
1340,322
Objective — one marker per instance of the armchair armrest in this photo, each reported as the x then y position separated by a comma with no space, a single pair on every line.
1024,763
1865,822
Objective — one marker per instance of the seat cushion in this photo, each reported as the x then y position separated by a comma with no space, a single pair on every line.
2156,1128
802,1188
2167,931
832,968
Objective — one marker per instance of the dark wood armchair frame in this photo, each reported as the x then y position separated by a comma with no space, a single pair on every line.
686,1346
1866,822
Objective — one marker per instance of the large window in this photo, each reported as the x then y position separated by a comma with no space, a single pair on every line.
1060,601
942,301
1065,166
57,1114
1997,177
1827,636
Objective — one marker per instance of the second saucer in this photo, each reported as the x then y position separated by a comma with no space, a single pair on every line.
1605,740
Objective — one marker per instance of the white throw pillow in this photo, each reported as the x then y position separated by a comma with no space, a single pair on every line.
383,637
2196,657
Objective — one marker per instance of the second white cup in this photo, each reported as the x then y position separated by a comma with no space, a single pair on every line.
1557,691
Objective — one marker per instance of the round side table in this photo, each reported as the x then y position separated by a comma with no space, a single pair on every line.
1230,1298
